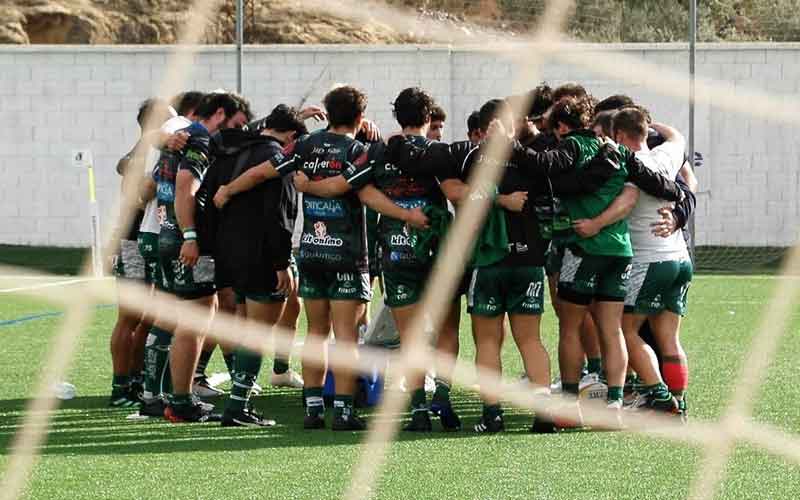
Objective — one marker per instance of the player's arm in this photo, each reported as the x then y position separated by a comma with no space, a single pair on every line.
185,188
245,182
618,210
331,187
652,183
148,190
690,180
669,134
550,163
673,219
514,202
376,200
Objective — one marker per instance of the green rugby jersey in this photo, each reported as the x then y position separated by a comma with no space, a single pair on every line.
334,230
408,191
614,239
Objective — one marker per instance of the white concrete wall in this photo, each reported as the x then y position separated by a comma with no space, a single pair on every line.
53,99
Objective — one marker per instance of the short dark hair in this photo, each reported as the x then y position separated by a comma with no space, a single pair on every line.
541,101
152,108
215,100
613,103
438,114
474,121
413,107
493,108
605,120
281,119
576,113
186,102
632,121
571,89
344,104
243,105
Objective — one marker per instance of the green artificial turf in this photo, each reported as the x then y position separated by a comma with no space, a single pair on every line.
95,453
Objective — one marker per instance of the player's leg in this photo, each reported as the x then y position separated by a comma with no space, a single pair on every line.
201,386
129,265
247,364
122,358
649,284
486,305
184,354
282,375
576,287
415,382
196,285
447,343
612,282
318,317
402,293
667,330
590,342
349,292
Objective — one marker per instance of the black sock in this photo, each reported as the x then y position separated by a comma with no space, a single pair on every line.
202,363
246,366
157,378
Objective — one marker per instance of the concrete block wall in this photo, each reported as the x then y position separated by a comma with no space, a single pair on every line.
56,98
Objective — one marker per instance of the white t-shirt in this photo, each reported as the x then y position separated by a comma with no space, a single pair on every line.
298,223
150,222
666,159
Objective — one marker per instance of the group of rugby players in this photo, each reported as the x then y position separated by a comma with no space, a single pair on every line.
593,194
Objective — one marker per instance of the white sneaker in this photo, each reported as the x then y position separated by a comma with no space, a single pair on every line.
256,390
203,389
289,378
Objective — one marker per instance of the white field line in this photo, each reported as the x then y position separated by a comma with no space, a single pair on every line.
51,285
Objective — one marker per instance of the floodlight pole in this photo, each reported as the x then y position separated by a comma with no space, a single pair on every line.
692,53
239,43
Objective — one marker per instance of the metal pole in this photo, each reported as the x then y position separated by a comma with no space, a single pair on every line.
692,53
239,43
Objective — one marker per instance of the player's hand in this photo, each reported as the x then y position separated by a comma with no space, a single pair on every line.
496,130
514,202
586,228
314,112
301,182
416,218
190,252
285,282
371,130
222,197
177,141
667,225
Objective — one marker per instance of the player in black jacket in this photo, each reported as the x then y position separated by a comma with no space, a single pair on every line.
252,241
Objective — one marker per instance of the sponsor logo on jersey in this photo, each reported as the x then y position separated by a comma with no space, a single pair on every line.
400,240
317,164
321,237
410,203
323,209
166,191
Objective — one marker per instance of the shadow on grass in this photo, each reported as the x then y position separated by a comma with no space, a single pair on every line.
86,426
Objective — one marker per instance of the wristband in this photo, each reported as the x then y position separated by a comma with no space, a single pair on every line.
189,234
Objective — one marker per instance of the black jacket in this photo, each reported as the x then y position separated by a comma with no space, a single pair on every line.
253,232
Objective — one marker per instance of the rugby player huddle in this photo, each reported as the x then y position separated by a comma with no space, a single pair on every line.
593,194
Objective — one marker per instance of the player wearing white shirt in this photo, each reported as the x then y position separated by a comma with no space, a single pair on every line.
661,271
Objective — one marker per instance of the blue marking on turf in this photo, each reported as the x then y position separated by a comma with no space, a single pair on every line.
34,317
